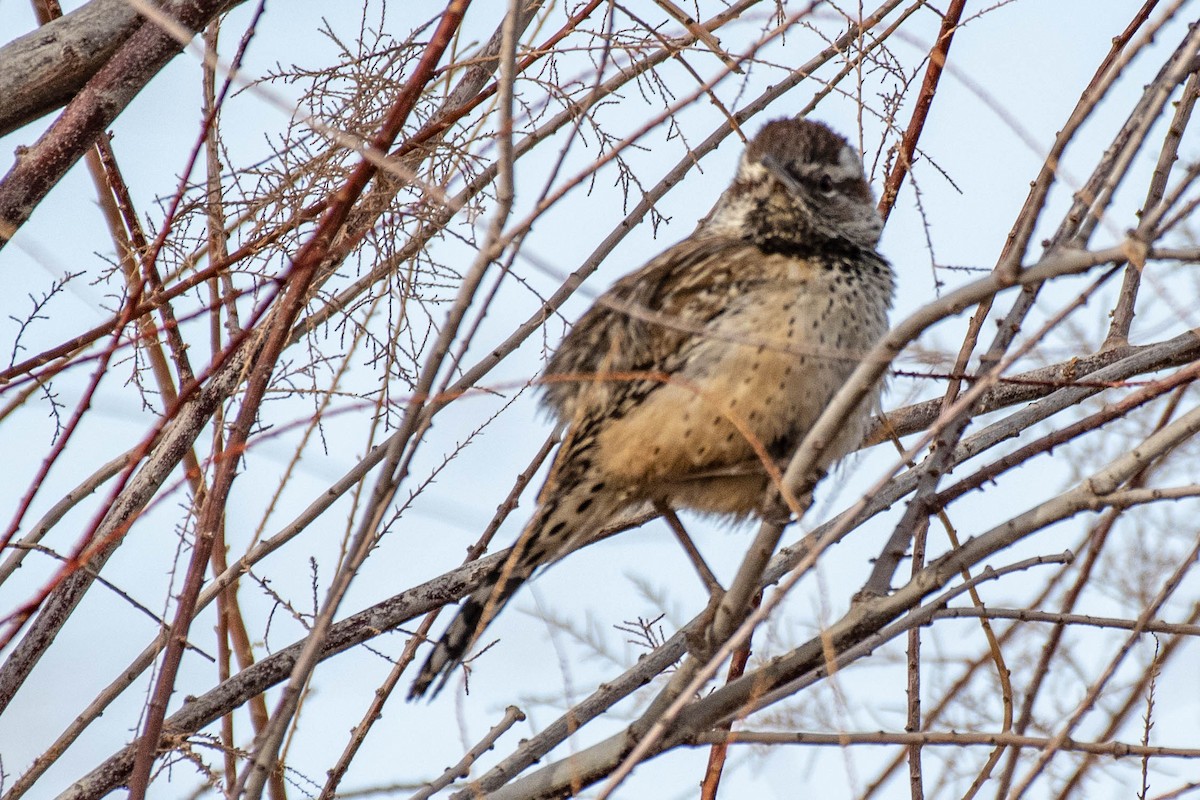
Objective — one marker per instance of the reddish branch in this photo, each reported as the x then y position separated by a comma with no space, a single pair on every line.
296,284
124,318
202,396
719,751
933,73
435,127
196,403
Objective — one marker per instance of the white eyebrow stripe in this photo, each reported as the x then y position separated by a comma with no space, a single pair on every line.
849,159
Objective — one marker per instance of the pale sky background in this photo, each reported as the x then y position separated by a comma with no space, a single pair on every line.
1032,60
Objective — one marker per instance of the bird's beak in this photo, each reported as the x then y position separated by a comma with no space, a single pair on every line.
779,171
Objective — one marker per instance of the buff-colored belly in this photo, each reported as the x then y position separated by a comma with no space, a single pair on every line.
759,380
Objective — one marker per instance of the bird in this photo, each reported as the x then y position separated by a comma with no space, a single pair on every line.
720,352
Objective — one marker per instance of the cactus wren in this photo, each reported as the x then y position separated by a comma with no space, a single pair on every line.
720,351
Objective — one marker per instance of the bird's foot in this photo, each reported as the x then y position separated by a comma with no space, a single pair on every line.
699,637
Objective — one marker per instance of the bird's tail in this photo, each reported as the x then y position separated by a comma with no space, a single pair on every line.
480,607
574,504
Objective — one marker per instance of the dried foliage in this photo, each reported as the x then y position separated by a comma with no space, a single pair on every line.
255,405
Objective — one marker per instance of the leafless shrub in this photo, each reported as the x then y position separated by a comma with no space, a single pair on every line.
387,228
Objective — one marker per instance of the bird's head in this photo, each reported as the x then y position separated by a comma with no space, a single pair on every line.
799,185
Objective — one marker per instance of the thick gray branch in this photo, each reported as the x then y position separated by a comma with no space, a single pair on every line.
45,68
103,97
861,622
200,711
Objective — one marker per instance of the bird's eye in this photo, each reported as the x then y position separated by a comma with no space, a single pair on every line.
826,183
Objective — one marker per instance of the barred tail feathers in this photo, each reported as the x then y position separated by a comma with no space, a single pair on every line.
480,607
570,513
